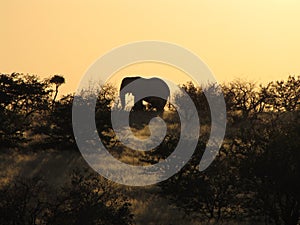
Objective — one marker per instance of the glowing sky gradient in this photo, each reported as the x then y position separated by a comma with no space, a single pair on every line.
254,40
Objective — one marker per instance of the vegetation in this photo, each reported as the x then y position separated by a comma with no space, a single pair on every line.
254,179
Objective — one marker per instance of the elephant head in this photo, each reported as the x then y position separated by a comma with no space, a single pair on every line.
145,87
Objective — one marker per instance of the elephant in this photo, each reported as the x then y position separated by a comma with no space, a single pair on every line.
145,87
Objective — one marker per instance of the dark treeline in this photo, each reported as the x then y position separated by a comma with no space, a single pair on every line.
255,177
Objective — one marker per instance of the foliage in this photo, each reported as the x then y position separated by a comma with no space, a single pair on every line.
21,96
88,199
254,178
256,174
57,80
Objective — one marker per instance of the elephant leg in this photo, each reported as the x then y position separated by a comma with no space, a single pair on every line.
158,103
138,106
122,98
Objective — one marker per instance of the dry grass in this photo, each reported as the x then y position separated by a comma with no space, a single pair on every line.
148,206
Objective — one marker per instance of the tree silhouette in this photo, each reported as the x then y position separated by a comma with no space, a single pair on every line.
21,98
256,174
57,80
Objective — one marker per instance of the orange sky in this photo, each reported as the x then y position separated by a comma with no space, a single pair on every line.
254,40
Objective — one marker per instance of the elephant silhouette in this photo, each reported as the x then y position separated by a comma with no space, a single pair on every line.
145,87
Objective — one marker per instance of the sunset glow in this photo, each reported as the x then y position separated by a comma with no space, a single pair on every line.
253,40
